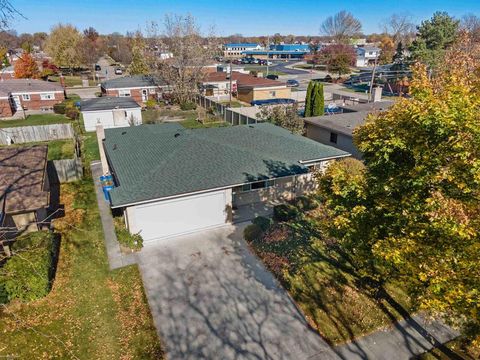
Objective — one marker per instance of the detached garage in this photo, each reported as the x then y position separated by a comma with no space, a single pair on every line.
110,112
171,181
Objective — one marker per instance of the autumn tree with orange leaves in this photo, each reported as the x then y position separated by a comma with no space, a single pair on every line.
26,67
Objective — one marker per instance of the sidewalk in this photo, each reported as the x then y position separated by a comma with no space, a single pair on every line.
115,257
402,340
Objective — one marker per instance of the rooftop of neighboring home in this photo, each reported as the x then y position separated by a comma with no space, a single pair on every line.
352,117
164,160
243,80
22,178
18,86
241,45
368,48
134,81
108,103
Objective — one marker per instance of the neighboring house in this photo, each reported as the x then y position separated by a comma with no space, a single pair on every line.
248,88
5,104
279,51
24,188
218,83
337,130
171,181
29,94
139,87
237,49
367,55
110,112
7,73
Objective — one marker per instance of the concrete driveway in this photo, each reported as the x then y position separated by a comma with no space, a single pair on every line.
212,299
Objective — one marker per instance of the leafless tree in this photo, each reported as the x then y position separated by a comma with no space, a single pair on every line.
471,24
400,26
191,53
341,26
7,13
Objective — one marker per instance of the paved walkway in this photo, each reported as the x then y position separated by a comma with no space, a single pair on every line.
116,258
212,299
403,340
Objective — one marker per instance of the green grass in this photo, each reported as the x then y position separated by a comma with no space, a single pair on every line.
263,70
37,119
91,312
458,347
71,81
194,124
334,298
235,103
57,149
150,116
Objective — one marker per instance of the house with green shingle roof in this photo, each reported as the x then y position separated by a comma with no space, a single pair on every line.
171,181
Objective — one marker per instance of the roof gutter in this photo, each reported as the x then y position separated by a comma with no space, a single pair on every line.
309,162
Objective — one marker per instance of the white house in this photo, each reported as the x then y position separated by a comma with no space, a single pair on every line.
171,181
110,112
237,49
367,55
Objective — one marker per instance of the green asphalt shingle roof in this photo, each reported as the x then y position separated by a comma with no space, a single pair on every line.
157,161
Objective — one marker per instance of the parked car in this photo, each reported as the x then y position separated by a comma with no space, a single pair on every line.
98,67
272,77
292,83
118,71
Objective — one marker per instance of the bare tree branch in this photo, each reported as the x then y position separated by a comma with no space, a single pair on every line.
341,26
7,14
400,26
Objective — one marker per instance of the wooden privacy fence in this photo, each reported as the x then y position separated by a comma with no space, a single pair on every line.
68,170
228,115
25,134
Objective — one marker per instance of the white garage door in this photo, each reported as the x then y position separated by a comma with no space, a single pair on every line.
180,216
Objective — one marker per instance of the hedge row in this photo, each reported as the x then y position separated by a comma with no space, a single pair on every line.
28,274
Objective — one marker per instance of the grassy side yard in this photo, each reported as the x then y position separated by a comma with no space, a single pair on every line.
150,116
335,299
37,119
91,312
235,103
194,124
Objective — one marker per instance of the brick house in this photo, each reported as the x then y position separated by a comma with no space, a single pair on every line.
139,87
248,88
29,94
5,106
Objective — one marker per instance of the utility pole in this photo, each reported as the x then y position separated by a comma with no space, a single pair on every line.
230,68
371,82
268,48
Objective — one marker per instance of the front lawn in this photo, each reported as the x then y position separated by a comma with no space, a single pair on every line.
36,119
71,81
336,301
91,312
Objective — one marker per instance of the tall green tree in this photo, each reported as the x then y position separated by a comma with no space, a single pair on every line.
139,65
318,101
412,213
434,36
314,100
309,99
63,46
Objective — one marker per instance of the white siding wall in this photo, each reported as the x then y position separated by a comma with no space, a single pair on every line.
109,120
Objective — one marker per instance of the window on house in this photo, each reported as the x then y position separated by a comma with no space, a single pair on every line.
26,97
124,93
333,137
47,96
